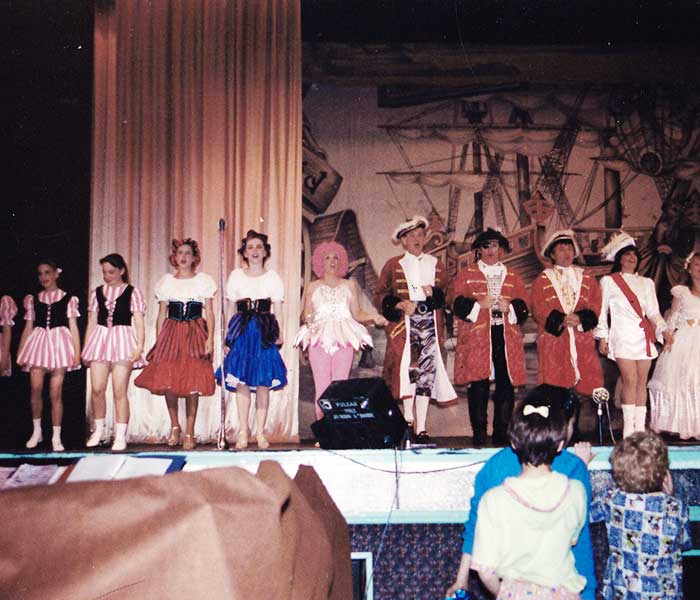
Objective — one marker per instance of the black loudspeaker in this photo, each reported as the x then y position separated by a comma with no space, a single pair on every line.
359,413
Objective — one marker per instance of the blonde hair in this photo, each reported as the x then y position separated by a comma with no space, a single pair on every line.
640,463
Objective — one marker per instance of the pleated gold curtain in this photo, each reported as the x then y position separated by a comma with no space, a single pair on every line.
197,117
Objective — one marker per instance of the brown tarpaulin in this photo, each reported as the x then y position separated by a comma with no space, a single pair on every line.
219,533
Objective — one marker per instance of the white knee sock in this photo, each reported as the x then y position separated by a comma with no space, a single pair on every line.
422,403
408,409
629,414
640,418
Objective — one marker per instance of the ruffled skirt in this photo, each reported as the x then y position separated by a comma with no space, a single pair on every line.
332,335
111,345
674,389
177,363
250,361
48,349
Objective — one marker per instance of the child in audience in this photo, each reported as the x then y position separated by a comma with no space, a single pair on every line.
527,525
647,527
505,464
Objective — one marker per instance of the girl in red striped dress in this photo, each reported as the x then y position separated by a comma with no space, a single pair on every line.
8,312
179,365
50,343
113,344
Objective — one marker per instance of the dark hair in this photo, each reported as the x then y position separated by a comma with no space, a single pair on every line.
553,245
254,235
617,262
535,437
117,261
640,462
175,244
48,261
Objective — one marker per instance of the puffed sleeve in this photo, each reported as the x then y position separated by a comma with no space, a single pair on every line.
232,286
92,303
72,311
8,311
276,287
161,289
207,286
28,304
138,302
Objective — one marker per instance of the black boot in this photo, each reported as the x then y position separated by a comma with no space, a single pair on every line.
478,396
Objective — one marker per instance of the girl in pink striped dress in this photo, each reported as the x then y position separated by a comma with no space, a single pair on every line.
50,343
113,344
8,311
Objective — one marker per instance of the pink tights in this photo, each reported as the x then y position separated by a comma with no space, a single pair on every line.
329,367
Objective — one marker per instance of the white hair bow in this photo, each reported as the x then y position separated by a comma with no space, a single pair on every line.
688,258
540,410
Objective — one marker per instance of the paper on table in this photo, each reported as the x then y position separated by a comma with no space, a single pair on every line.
5,473
30,475
138,467
97,467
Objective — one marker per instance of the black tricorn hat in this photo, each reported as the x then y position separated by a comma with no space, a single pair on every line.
482,240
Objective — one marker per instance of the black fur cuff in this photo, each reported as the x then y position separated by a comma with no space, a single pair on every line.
588,319
463,306
521,311
389,310
438,298
554,323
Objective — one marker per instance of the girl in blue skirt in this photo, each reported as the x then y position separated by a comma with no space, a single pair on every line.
252,357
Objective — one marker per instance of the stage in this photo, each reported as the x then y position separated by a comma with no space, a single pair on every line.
405,509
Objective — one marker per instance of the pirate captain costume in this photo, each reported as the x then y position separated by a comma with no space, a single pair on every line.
404,278
489,342
567,356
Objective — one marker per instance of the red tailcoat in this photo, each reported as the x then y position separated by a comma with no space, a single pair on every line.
556,362
392,282
473,352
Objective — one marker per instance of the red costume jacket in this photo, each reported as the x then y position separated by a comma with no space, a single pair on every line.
473,352
392,283
558,365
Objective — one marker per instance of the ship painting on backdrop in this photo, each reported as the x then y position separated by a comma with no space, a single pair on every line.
557,173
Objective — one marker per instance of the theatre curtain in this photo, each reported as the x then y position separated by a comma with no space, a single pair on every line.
197,117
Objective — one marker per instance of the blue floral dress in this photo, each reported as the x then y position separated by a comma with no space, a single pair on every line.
646,535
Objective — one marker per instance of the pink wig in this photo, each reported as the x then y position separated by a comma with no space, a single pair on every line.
323,250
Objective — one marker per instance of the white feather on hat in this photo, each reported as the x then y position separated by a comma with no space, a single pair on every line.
617,242
414,223
558,236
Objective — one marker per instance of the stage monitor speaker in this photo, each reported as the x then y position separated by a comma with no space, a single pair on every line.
359,413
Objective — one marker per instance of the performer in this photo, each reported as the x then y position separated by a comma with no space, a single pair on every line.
8,311
252,359
50,343
410,294
179,364
566,305
333,329
635,323
113,345
675,386
491,302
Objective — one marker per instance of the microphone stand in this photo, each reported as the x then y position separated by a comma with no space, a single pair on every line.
222,444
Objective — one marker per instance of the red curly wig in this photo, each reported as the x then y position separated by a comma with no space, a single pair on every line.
175,244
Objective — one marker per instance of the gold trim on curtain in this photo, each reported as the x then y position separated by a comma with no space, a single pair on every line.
197,117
